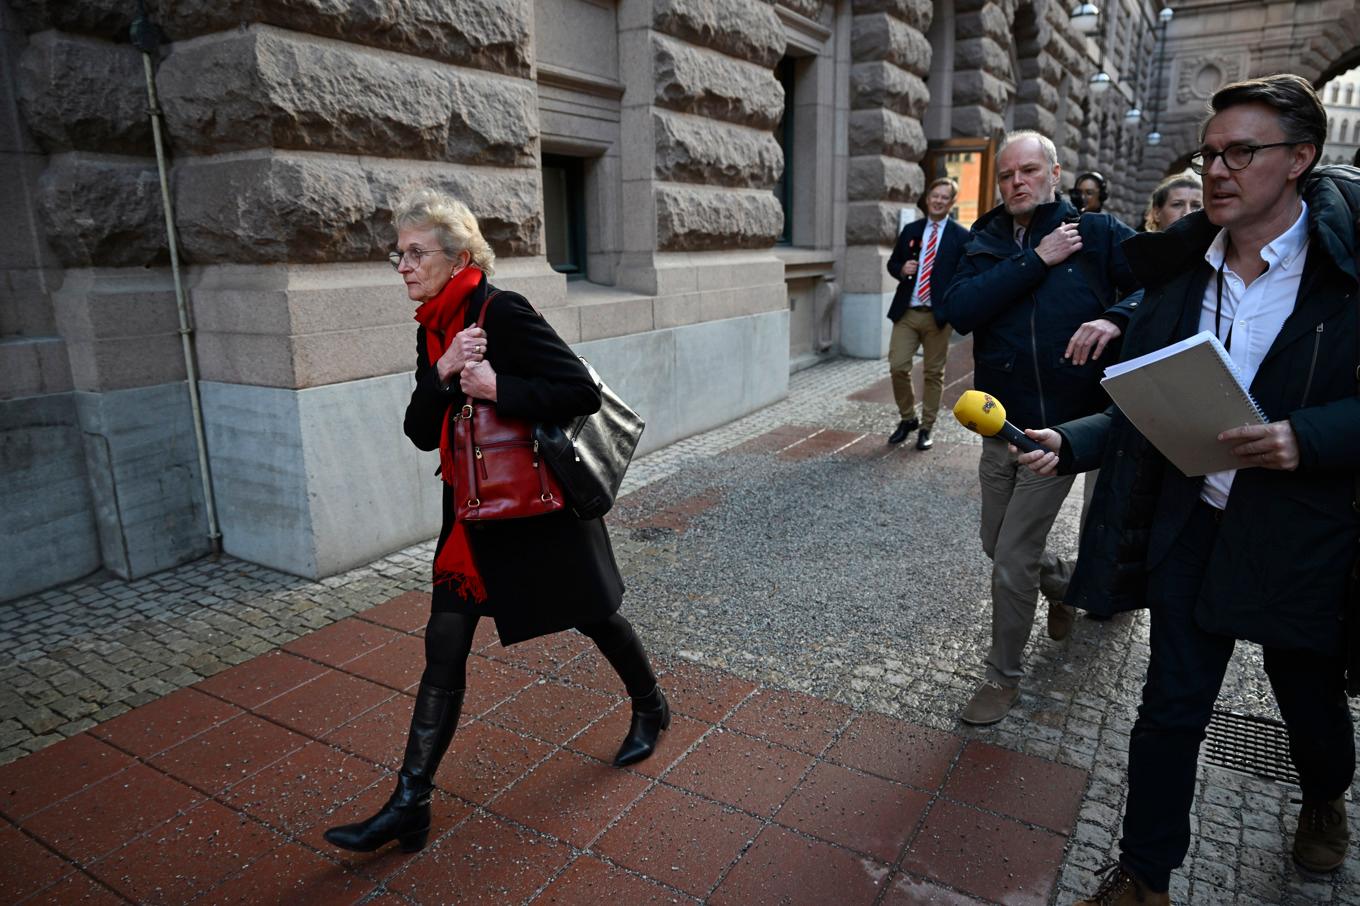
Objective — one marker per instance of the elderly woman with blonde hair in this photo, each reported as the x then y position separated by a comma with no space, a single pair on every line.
532,576
1173,198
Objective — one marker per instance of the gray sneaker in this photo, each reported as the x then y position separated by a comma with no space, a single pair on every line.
989,704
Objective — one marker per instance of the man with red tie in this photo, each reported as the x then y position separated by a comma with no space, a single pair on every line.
923,260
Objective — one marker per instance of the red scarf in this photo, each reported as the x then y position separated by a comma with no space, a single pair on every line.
443,316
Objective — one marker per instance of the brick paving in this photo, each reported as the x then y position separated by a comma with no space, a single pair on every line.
753,557
219,792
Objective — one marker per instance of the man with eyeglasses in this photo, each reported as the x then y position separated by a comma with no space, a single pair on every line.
1262,552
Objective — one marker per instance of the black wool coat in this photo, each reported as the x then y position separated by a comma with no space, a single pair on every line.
546,573
1022,313
1277,575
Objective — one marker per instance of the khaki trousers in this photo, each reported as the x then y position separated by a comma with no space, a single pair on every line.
1018,510
918,329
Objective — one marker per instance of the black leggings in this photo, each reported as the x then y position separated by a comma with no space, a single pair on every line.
448,640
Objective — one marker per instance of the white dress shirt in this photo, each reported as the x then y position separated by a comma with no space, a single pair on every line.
1252,315
937,227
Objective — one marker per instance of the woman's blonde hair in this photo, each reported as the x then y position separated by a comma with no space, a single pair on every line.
1163,192
451,221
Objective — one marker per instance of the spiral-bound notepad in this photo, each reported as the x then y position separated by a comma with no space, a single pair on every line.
1181,397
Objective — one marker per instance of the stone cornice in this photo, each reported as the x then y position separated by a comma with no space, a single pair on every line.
571,80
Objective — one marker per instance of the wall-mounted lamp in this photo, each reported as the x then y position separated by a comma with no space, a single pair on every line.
1100,83
1085,17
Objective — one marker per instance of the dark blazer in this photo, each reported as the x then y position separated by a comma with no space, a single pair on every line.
1022,312
909,247
547,573
1286,541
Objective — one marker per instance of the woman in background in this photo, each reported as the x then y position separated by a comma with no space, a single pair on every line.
1173,198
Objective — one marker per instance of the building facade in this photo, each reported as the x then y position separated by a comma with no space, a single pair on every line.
700,195
1341,96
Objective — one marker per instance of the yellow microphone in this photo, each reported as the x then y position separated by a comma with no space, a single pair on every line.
983,414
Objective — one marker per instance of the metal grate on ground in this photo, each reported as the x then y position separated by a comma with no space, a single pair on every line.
1250,745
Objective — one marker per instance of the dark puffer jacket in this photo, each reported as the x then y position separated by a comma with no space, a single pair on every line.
1023,313
1287,539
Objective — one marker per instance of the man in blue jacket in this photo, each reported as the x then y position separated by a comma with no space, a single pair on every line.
1037,287
1261,552
924,259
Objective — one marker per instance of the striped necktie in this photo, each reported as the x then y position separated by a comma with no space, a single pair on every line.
927,263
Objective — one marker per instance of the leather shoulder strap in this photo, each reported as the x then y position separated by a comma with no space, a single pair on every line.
481,315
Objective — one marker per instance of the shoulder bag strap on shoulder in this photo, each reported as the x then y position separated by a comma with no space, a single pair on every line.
481,316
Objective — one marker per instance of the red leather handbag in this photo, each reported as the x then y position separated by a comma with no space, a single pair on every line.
499,473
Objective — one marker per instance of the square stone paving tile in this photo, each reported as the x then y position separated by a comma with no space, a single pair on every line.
404,613
297,791
166,722
29,866
287,875
995,858
783,867
105,816
261,679
186,856
324,703
342,641
897,750
397,665
571,797
859,811
791,719
601,740
702,692
590,882
752,774
379,734
1022,786
228,753
550,710
76,888
489,860
484,759
681,838
754,795
490,683
62,769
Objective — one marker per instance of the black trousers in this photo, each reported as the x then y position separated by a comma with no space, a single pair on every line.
1185,671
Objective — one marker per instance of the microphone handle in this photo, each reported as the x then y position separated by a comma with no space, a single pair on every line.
1022,441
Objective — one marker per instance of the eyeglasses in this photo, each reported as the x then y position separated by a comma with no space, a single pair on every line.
1235,157
415,254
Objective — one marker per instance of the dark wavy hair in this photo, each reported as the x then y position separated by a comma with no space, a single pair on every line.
1302,116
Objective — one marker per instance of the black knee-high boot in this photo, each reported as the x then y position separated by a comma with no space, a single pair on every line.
623,650
406,816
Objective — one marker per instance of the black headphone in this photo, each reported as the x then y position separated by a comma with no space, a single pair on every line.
1099,180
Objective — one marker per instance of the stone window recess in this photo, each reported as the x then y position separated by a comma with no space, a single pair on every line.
785,134
564,214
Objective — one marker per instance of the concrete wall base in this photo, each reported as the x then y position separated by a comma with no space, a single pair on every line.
865,327
688,379
317,481
320,480
143,471
46,514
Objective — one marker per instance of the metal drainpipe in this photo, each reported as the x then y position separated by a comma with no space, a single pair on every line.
146,38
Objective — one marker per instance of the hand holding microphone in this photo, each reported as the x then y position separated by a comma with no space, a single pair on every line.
983,414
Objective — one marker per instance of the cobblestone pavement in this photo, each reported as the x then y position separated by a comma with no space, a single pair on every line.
791,547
